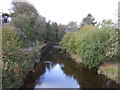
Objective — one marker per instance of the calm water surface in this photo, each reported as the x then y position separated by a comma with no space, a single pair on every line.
58,70
54,77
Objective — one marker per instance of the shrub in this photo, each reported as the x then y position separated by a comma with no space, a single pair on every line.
94,44
66,40
112,45
93,47
10,40
16,63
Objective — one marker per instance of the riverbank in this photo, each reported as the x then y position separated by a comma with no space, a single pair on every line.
15,71
109,69
20,64
50,70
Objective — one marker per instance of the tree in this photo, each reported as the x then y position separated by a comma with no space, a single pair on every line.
56,29
23,8
89,20
50,33
26,18
54,32
61,31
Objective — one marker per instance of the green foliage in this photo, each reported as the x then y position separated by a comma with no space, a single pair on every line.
50,33
22,22
88,20
23,8
54,32
10,40
16,68
29,23
69,41
16,63
27,28
5,14
94,44
32,27
93,47
112,45
61,32
65,40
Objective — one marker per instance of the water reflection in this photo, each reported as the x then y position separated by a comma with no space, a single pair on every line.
55,78
60,71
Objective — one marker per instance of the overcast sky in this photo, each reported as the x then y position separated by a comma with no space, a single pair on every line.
63,11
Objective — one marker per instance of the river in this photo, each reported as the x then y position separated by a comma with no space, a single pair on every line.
58,70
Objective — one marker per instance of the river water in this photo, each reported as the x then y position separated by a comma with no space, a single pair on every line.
58,70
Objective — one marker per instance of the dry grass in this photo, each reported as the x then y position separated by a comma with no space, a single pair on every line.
76,57
110,70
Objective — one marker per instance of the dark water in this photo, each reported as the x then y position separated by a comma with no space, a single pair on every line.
58,70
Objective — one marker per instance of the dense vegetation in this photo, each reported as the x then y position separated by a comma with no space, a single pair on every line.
32,26
94,44
16,62
27,29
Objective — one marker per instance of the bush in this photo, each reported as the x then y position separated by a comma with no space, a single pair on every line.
93,47
10,40
66,39
112,45
16,68
16,63
81,33
94,44
69,41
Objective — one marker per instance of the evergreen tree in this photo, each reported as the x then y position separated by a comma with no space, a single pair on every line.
88,20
